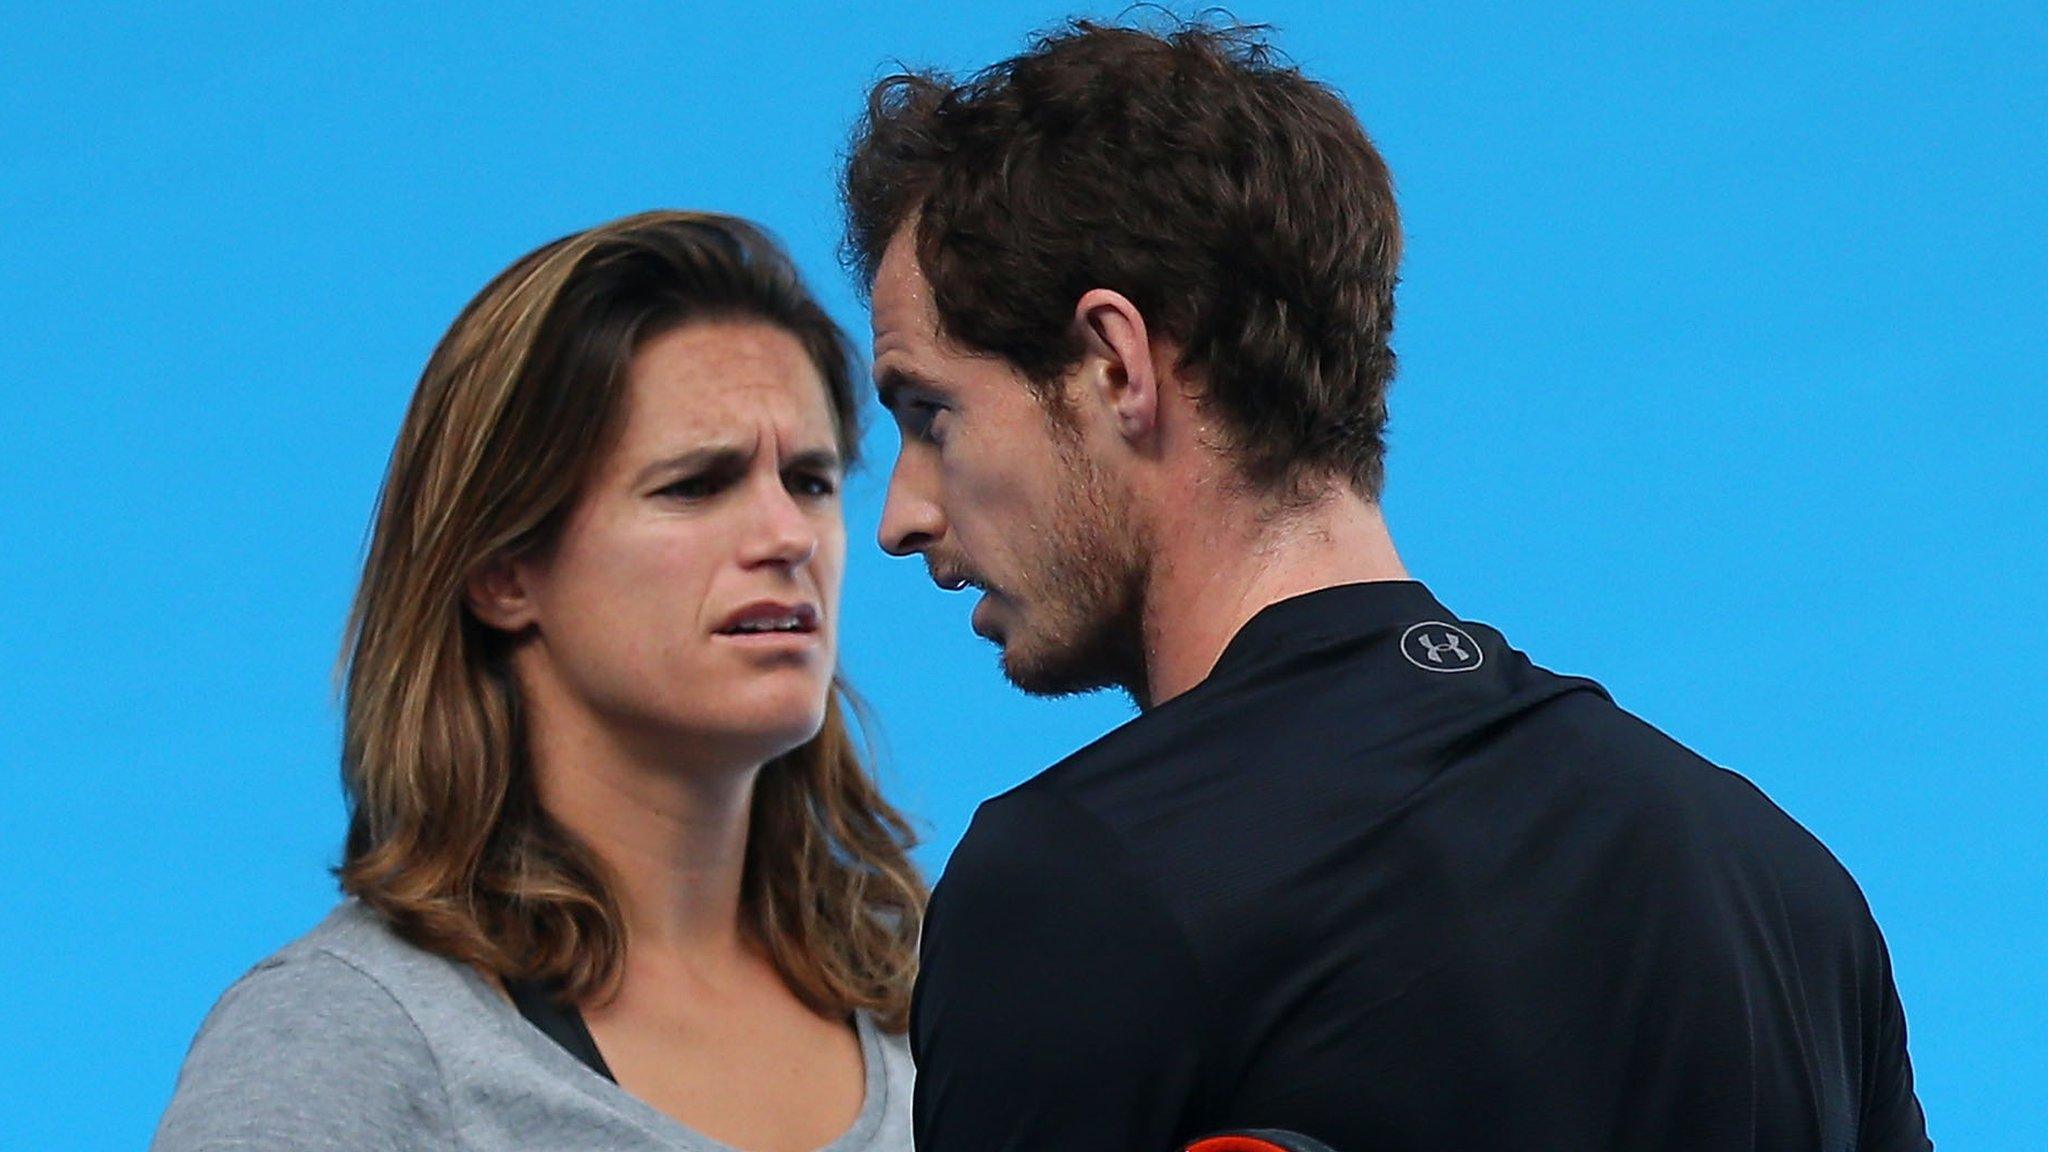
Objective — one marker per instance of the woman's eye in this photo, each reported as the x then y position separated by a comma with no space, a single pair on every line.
813,484
693,487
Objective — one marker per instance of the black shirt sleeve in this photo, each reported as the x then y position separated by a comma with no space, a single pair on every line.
1892,1120
1058,1004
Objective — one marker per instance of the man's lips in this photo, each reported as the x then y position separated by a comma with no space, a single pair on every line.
954,579
982,620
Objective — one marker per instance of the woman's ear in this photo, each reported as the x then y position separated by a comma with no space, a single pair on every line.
497,594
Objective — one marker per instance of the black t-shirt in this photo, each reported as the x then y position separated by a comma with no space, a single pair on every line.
1381,880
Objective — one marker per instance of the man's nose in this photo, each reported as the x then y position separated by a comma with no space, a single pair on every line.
911,518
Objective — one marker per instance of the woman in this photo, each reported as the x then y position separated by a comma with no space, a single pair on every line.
617,877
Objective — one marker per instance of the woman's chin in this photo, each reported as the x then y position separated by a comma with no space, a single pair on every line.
766,729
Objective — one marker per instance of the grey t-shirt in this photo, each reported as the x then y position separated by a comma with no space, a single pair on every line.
352,1039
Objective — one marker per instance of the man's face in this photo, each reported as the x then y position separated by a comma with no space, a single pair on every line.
999,494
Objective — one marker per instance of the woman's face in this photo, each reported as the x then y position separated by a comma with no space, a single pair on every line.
693,594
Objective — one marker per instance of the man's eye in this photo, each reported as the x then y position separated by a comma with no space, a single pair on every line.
921,420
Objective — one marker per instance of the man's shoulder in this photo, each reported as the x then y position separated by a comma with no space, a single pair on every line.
1029,831
1040,886
1628,760
1625,787
1536,746
1040,853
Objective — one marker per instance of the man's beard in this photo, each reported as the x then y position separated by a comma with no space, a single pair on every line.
1087,596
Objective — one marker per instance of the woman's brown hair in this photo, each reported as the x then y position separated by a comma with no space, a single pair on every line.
446,838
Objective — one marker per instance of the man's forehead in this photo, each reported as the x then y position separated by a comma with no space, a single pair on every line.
901,300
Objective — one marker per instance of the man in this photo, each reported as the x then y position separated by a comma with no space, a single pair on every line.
1359,869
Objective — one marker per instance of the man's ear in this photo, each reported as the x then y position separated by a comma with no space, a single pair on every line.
497,594
1115,340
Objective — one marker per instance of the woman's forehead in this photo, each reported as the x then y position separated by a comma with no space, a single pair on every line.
738,385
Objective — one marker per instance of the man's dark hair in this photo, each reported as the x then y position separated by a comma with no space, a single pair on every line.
1236,202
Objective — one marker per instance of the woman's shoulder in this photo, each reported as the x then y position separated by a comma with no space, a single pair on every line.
350,964
317,1046
885,1121
893,1048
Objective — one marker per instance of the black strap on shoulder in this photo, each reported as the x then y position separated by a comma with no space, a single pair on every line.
546,1009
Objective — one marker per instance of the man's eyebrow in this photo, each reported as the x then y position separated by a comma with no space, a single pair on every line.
892,382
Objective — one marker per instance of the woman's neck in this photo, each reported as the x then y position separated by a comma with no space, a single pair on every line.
668,823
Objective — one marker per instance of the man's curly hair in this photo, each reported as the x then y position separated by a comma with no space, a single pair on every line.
1236,202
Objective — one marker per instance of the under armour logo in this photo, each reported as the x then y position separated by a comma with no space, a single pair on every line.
1435,646
1452,643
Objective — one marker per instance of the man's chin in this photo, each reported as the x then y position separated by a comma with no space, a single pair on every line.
1054,674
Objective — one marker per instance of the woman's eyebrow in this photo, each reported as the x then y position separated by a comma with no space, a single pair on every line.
817,459
711,456
733,458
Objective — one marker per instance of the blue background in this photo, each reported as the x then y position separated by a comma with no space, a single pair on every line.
1722,339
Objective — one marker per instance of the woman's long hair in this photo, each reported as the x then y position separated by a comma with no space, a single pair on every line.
446,836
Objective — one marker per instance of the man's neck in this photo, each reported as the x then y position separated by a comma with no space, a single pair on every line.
1221,562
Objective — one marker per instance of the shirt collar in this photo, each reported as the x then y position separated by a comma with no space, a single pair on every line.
1339,612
